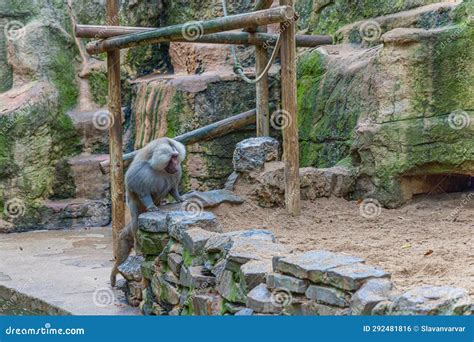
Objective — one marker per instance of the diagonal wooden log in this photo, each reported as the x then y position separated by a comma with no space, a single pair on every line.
238,38
193,30
214,130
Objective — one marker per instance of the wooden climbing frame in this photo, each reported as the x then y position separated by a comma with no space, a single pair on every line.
112,38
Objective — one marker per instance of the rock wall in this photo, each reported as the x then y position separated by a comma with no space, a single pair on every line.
392,102
191,268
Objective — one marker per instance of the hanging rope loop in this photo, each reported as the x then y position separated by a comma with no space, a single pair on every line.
238,68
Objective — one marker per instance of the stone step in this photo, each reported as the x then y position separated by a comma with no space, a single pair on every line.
92,127
89,181
74,214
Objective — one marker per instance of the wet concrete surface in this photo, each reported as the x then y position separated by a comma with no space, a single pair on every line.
59,272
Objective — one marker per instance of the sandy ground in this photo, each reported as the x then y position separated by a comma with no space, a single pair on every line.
427,242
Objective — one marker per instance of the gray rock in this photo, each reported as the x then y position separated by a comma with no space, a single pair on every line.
369,295
164,292
131,268
251,154
213,198
170,277
181,221
244,312
148,269
218,268
230,182
313,264
195,239
152,244
223,242
328,295
432,300
232,307
207,305
292,284
246,249
229,288
154,222
261,300
254,273
351,277
168,293
174,262
194,278
327,310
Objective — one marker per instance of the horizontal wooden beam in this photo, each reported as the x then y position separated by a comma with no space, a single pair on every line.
192,30
238,38
214,130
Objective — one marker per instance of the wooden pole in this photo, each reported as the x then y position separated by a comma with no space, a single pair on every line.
289,110
238,38
192,30
262,97
115,131
214,130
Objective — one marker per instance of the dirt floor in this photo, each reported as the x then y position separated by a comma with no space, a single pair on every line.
427,242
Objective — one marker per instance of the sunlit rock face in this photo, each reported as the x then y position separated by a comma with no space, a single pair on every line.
394,104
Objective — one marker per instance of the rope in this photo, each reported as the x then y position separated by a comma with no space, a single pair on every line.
238,69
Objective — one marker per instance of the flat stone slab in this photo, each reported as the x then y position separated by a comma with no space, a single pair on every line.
432,300
313,264
328,295
369,295
193,277
223,242
351,277
131,268
195,239
213,198
261,300
154,222
292,284
255,272
65,272
245,249
180,221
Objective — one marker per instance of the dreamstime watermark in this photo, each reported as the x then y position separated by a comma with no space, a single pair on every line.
455,34
370,30
281,297
291,18
103,120
459,119
46,330
14,30
103,297
280,119
14,208
193,207
454,214
192,30
370,208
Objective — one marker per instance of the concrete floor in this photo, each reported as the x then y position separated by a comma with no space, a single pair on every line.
59,272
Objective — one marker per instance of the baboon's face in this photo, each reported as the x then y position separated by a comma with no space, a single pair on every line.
173,164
